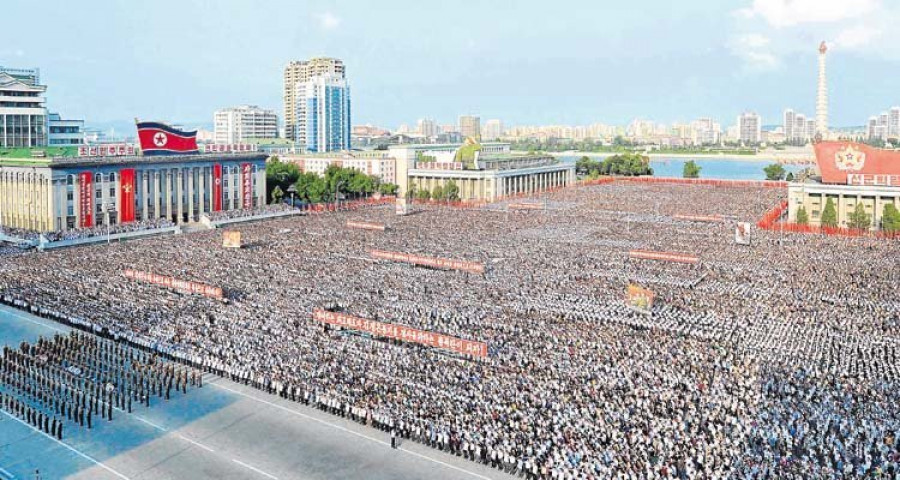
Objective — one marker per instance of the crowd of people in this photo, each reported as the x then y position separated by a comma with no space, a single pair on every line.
777,359
70,379
87,232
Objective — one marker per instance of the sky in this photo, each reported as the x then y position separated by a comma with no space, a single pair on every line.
525,62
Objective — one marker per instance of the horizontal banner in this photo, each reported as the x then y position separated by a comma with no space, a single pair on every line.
700,218
366,225
664,256
444,263
402,333
526,206
176,284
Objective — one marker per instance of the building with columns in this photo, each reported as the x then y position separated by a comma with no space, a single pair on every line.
59,194
493,175
849,174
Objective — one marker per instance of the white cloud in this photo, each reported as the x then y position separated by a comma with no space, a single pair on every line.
328,20
857,36
753,49
787,13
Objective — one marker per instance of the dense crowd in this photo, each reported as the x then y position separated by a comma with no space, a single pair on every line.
773,360
87,232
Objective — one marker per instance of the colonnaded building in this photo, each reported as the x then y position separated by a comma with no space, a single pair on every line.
59,194
849,174
485,171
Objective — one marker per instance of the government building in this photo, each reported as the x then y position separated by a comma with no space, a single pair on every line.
849,174
59,194
491,173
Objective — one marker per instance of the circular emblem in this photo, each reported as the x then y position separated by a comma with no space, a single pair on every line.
160,139
849,159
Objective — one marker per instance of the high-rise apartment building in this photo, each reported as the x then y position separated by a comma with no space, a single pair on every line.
426,127
749,128
492,130
237,124
323,114
884,126
706,131
23,116
470,126
797,127
300,72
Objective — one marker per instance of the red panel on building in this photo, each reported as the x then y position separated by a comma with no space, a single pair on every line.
86,198
217,188
126,194
838,160
247,185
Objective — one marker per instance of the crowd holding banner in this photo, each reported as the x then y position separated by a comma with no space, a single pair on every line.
663,256
778,360
365,225
403,333
176,284
700,218
443,263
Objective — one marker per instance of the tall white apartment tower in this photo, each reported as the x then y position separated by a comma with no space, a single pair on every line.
822,95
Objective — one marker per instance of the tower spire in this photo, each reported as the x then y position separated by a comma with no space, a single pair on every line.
822,96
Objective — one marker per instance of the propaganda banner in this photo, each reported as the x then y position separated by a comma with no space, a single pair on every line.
663,256
433,262
217,188
700,218
247,185
231,239
176,284
86,198
742,233
126,194
638,298
366,225
402,333
525,206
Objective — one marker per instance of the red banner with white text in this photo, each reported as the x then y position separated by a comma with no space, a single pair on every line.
247,185
176,284
402,333
126,194
444,263
664,256
217,188
86,198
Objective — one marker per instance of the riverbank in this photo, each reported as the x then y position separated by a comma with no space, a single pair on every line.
762,157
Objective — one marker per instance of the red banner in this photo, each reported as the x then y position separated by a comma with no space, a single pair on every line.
247,185
444,263
126,194
664,256
402,333
176,284
366,225
217,188
525,206
700,218
86,198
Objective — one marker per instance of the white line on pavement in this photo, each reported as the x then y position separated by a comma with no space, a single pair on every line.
148,422
344,429
69,447
195,443
14,314
254,469
7,474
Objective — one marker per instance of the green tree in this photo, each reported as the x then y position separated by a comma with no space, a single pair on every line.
411,192
451,191
388,188
789,177
802,216
829,214
280,174
585,164
859,218
890,219
277,194
437,193
691,169
774,172
423,194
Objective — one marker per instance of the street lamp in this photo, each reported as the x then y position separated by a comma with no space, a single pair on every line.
337,200
104,207
292,190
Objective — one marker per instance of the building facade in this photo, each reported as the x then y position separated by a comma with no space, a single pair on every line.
492,130
64,133
797,127
470,126
885,126
851,174
323,114
237,124
83,192
371,162
23,116
749,128
300,72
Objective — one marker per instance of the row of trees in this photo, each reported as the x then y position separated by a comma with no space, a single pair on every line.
284,178
447,192
858,218
776,171
630,164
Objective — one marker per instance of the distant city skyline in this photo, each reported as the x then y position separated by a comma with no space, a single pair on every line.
746,55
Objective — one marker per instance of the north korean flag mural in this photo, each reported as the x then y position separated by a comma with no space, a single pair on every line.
86,198
217,188
126,194
160,139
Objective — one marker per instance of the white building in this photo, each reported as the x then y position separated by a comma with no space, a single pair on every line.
884,126
323,114
371,162
705,131
426,127
470,126
749,128
237,124
797,127
62,132
23,116
492,130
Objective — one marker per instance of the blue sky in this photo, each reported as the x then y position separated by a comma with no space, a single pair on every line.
525,62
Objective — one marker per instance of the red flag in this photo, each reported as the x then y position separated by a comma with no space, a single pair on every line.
126,194
217,187
160,139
